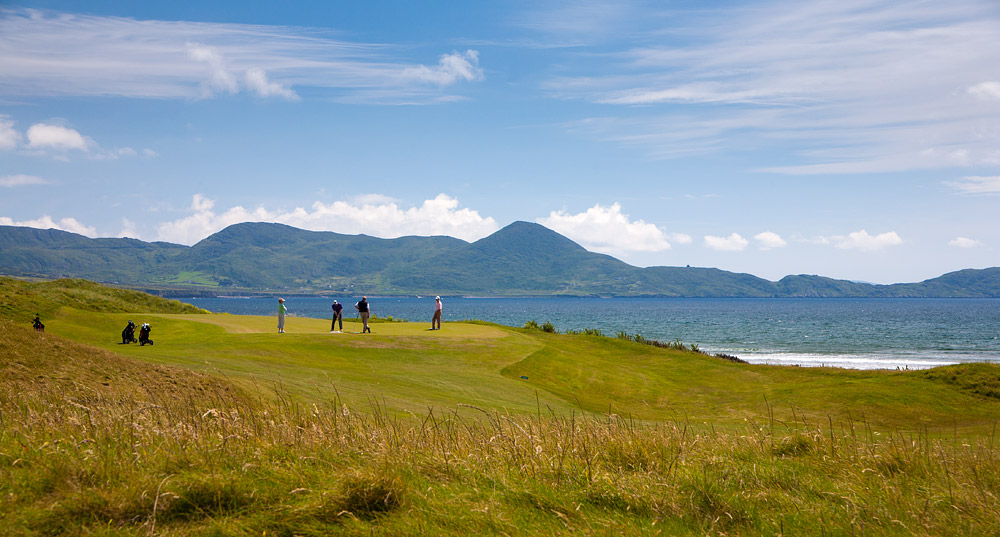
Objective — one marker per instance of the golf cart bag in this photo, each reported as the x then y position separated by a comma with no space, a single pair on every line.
128,335
144,335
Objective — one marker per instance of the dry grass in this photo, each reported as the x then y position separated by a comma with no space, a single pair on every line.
92,443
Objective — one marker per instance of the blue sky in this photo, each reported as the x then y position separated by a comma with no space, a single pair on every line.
852,139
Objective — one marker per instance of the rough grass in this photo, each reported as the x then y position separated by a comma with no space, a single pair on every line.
980,379
225,428
97,444
21,300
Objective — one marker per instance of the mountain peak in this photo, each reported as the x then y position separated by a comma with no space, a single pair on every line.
527,235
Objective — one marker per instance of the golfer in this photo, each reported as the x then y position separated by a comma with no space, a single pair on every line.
363,310
436,321
338,316
282,310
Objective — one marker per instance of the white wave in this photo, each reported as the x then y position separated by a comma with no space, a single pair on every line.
849,361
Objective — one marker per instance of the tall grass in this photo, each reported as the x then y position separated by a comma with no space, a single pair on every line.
102,455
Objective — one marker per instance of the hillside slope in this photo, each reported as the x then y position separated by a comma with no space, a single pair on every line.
21,300
520,259
274,255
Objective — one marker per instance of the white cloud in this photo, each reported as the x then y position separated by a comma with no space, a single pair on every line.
438,216
977,185
44,136
373,199
451,68
128,229
986,90
11,181
679,238
607,230
964,242
861,240
201,204
219,77
879,86
46,222
9,137
769,240
56,140
732,243
57,54
224,79
257,82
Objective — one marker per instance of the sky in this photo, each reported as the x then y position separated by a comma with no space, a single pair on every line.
853,139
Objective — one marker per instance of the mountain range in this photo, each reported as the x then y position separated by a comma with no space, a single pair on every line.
522,259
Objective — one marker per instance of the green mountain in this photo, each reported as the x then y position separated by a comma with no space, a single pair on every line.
520,259
57,254
256,255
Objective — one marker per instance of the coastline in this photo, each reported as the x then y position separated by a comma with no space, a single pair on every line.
844,333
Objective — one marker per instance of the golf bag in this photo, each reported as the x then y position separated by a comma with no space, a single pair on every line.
128,335
144,335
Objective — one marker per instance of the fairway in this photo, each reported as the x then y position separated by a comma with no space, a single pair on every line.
404,367
409,369
245,324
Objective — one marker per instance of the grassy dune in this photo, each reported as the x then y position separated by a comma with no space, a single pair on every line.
225,427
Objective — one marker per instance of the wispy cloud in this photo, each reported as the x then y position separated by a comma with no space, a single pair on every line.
977,185
376,217
609,230
879,86
11,181
580,22
451,68
732,243
61,54
989,90
964,242
10,138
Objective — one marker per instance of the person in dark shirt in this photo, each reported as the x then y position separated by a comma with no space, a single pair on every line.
364,310
338,316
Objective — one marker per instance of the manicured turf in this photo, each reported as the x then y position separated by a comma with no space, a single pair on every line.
409,368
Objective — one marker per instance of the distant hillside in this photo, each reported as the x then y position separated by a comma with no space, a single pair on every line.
518,260
256,255
60,254
521,258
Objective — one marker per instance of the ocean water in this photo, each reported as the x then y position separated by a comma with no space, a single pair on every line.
850,333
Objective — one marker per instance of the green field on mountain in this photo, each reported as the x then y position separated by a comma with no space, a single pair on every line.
225,427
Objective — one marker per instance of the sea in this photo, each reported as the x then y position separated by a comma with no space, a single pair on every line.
857,333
